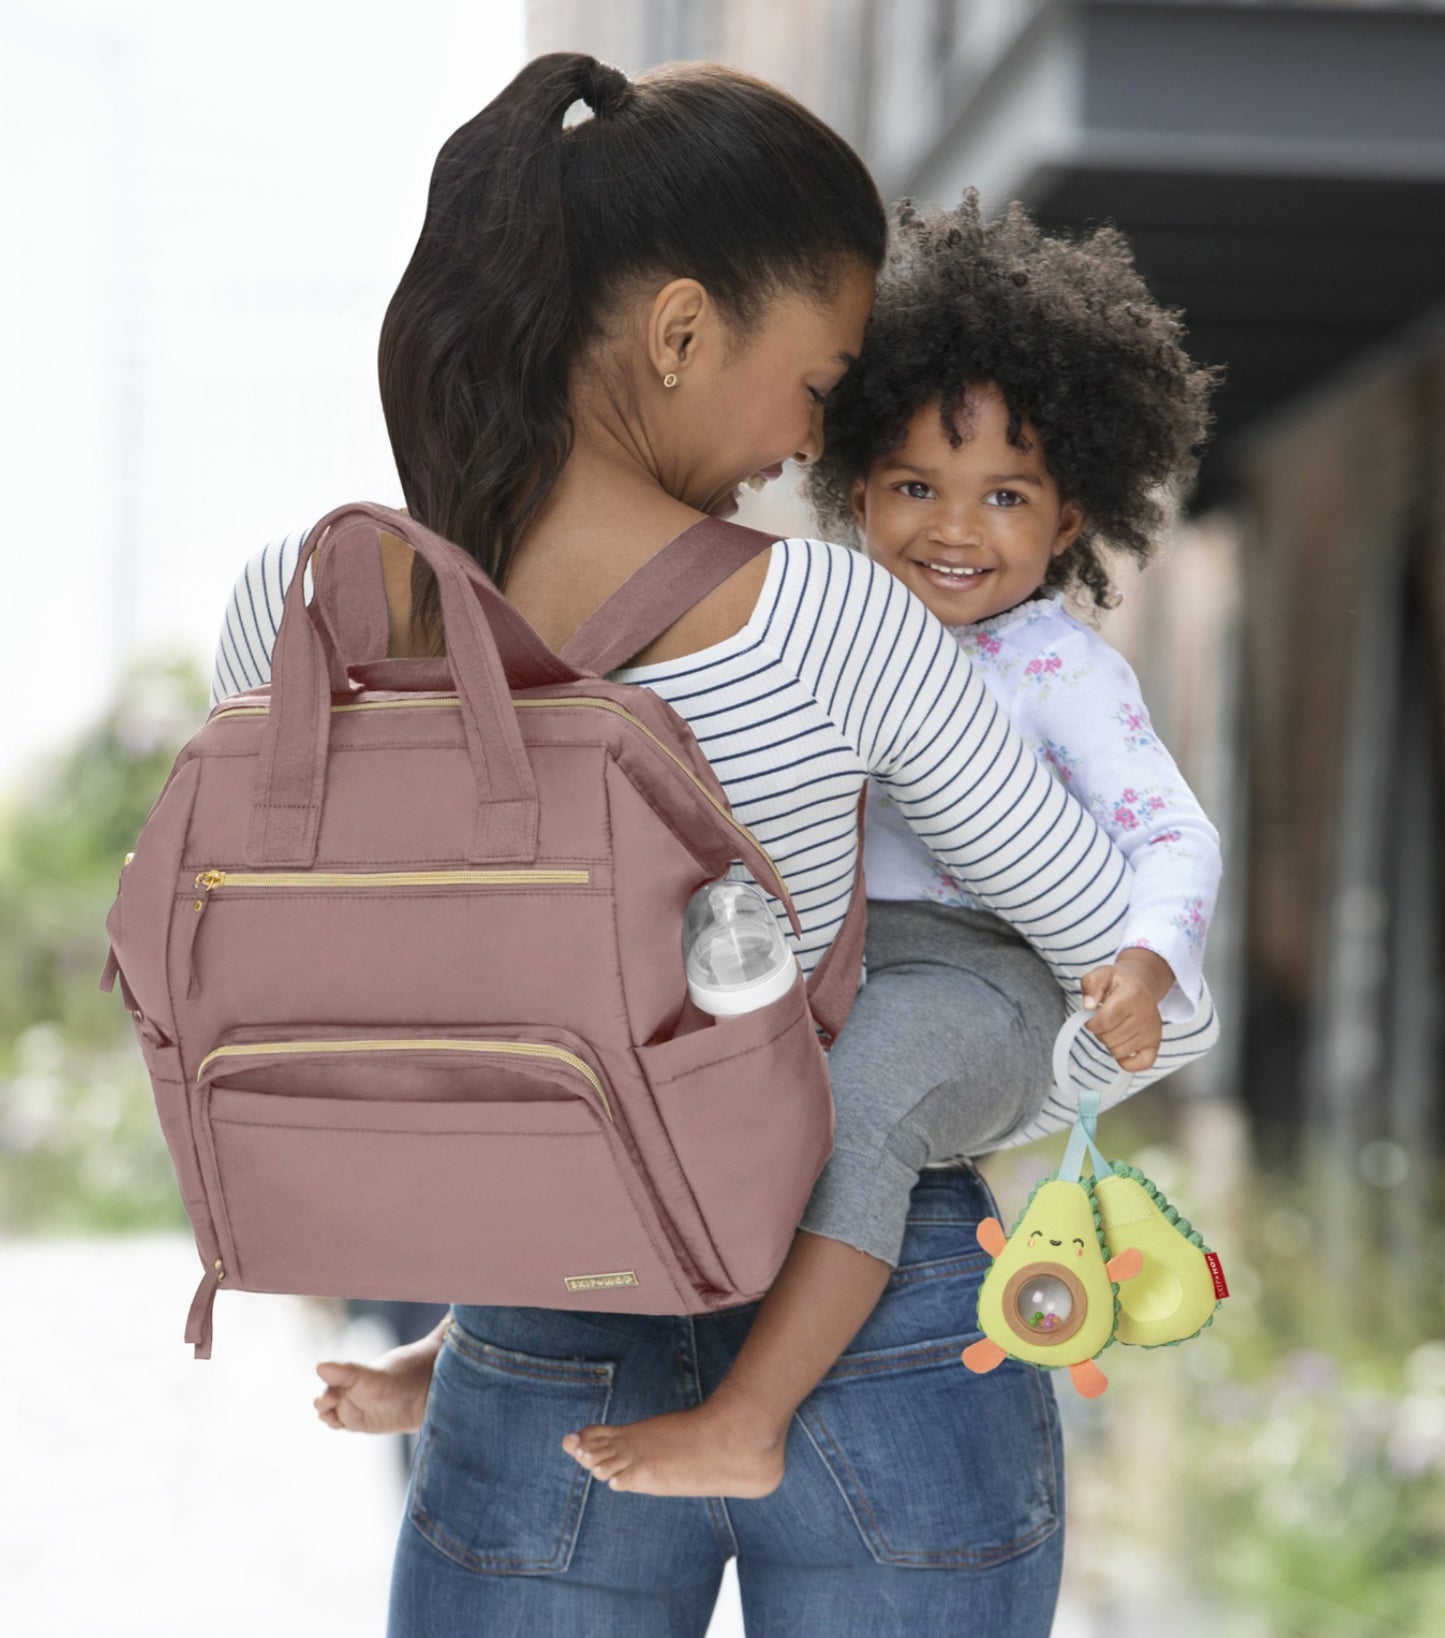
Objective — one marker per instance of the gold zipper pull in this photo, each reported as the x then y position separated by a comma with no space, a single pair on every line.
206,879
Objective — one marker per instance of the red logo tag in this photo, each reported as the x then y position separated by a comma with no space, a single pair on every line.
1216,1274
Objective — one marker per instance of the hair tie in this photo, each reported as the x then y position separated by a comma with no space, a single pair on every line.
604,88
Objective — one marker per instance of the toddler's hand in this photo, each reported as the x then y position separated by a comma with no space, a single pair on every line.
388,1397
1125,998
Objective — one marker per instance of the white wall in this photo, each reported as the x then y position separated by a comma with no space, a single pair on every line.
205,213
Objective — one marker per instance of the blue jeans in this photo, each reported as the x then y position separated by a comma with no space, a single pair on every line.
919,1498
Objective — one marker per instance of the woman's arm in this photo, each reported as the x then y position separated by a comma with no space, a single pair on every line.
963,778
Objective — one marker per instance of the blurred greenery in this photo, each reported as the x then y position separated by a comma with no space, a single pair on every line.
1285,1470
1286,1467
81,1150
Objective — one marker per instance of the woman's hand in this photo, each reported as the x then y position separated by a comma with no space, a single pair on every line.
1127,996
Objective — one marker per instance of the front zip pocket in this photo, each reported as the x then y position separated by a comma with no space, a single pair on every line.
481,1164
209,882
322,1048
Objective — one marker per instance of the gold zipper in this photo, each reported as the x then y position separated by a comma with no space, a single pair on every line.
365,705
531,1049
550,700
382,878
210,880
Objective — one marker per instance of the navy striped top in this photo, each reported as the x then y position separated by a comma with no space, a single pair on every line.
840,673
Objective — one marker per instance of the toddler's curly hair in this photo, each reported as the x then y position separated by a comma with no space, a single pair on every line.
1067,330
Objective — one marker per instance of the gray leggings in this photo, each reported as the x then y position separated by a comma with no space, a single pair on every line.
946,1051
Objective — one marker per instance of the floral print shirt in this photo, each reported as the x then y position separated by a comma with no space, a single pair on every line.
1076,702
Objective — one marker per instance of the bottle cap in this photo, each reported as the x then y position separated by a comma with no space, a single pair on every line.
729,1002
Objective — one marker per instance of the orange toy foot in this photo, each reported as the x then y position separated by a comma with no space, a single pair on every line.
982,1356
1128,1265
1088,1379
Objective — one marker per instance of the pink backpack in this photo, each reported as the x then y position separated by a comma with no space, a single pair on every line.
401,939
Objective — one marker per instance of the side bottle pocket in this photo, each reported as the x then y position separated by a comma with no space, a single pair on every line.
749,1110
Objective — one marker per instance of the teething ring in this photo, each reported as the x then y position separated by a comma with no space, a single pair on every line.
1064,1045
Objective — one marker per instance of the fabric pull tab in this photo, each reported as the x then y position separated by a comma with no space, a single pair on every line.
198,1321
198,909
112,967
1216,1273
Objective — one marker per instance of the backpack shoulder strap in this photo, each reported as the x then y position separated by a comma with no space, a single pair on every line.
665,587
833,983
645,605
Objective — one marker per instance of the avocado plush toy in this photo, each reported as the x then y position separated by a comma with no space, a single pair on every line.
1182,1283
1050,1298
1091,1260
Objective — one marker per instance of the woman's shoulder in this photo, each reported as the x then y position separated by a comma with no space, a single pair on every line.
821,585
265,577
832,570
270,567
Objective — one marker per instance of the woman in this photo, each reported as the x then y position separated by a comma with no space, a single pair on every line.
604,330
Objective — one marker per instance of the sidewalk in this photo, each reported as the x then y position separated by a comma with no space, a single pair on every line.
148,1494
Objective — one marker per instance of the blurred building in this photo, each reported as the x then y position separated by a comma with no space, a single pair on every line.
1280,171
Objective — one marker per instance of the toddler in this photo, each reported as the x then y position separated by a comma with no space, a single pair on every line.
1020,403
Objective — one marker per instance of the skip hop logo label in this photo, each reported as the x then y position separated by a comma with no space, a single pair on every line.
594,1282
1221,1290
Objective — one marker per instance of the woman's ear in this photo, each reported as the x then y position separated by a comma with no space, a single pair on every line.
672,324
857,496
1071,521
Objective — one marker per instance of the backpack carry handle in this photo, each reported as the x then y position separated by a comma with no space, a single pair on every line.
490,650
350,608
350,611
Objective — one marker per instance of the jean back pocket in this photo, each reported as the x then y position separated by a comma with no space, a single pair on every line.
940,1468
492,1488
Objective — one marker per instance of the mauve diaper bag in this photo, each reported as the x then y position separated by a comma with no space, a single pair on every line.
401,943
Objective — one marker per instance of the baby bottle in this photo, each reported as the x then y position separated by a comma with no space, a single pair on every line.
734,951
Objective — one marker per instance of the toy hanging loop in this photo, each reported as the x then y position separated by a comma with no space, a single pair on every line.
1082,1136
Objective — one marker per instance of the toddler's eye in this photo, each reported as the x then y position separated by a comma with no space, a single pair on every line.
1013,496
818,397
908,487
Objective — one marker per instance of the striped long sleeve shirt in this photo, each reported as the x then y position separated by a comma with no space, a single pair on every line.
842,673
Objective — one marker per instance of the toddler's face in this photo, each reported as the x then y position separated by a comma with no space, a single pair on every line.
986,505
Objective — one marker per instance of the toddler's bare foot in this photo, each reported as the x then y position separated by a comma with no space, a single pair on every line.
388,1397
712,1450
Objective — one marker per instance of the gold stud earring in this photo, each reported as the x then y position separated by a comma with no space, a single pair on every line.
669,380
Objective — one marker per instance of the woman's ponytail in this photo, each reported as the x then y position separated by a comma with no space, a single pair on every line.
477,339
530,224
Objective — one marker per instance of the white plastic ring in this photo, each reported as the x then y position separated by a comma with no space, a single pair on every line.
1064,1045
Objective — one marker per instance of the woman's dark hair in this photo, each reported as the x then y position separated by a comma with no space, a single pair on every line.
532,227
1067,330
